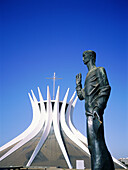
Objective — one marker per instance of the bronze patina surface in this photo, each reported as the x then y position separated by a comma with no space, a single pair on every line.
96,92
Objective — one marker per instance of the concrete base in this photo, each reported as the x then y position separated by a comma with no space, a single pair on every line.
38,168
51,168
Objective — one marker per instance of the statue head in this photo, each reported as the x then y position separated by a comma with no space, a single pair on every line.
89,55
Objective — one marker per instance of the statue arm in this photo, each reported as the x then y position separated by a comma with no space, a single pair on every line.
79,90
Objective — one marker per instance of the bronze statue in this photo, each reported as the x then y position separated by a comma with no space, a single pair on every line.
96,92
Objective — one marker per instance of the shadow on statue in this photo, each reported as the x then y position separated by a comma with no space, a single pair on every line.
96,92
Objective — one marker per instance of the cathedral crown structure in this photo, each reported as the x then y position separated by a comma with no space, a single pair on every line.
51,140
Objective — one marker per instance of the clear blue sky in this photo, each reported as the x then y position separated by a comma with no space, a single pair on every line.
38,38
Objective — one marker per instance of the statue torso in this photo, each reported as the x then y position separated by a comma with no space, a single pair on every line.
95,82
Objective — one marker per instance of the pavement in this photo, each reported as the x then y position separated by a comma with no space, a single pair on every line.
39,168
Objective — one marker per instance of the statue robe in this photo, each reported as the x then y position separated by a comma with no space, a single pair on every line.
96,92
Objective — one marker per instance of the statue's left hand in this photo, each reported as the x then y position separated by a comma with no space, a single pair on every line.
96,114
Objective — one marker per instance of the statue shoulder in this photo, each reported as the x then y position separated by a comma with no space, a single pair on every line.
101,70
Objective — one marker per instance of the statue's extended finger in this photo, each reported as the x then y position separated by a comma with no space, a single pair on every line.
80,75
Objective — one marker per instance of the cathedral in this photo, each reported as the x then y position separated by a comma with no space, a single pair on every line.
51,140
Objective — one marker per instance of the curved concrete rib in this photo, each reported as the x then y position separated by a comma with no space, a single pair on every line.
25,133
46,131
32,134
119,163
68,112
57,130
76,132
66,129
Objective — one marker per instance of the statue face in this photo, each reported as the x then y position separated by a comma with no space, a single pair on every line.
86,58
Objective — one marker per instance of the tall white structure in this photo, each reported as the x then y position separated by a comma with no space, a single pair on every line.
51,139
